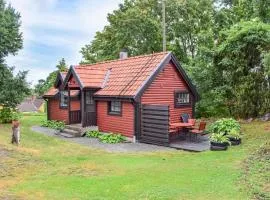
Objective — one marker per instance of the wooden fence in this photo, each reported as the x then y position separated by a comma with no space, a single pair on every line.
155,124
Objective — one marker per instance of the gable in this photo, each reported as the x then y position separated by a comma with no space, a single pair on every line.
60,79
72,82
180,71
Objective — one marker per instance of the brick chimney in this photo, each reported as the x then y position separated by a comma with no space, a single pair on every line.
123,54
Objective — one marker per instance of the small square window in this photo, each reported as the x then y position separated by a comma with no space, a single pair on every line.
89,98
115,107
182,98
63,99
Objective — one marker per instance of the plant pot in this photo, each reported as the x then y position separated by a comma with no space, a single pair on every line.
215,146
15,123
235,141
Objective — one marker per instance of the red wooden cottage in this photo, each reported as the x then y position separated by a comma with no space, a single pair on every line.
138,97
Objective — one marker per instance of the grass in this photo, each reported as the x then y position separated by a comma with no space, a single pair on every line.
48,168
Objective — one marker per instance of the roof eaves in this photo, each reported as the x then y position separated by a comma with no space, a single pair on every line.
186,78
58,78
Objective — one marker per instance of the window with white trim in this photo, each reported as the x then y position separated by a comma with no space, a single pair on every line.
182,98
63,99
89,98
115,107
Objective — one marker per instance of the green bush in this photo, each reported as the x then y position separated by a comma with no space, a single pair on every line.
58,125
94,134
219,138
111,138
234,133
8,114
106,138
224,126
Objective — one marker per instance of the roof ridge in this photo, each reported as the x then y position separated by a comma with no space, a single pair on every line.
115,60
80,67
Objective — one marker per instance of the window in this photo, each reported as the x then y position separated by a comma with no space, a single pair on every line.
182,98
89,98
63,99
115,107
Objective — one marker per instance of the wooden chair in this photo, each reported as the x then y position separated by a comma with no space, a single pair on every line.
185,117
193,122
199,131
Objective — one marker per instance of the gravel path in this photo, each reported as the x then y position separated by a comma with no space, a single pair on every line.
94,143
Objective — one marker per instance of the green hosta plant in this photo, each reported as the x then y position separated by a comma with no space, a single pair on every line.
224,126
219,138
111,138
58,125
94,134
235,134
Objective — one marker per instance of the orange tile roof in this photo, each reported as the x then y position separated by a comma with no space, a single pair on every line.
54,91
124,77
51,92
92,78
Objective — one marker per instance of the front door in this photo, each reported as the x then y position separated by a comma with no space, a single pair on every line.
90,118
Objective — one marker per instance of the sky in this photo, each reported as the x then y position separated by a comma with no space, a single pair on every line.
55,29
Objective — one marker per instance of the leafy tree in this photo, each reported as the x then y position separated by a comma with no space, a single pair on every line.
39,87
44,85
243,67
62,66
134,26
10,35
196,31
13,88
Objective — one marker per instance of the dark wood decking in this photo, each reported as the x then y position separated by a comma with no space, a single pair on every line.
201,144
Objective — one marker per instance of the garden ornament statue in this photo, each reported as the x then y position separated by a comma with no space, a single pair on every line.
15,132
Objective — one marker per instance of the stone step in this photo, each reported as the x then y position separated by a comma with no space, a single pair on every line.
72,132
67,135
74,128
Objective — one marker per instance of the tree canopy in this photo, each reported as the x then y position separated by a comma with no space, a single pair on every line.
44,85
11,37
216,41
13,88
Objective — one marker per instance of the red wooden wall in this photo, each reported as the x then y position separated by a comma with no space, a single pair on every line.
161,91
75,105
123,124
60,114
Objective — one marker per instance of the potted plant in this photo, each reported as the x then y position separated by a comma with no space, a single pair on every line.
234,137
224,125
219,141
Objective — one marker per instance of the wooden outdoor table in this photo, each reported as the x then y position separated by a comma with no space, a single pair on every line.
181,125
184,126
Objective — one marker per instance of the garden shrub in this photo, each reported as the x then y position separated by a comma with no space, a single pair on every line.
219,138
58,125
8,114
111,138
234,133
224,126
93,133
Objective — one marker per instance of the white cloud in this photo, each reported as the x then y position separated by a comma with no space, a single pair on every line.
54,28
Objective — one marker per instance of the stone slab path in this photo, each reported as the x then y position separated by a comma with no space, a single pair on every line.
94,143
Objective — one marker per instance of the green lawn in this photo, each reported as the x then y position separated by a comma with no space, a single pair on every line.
48,168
